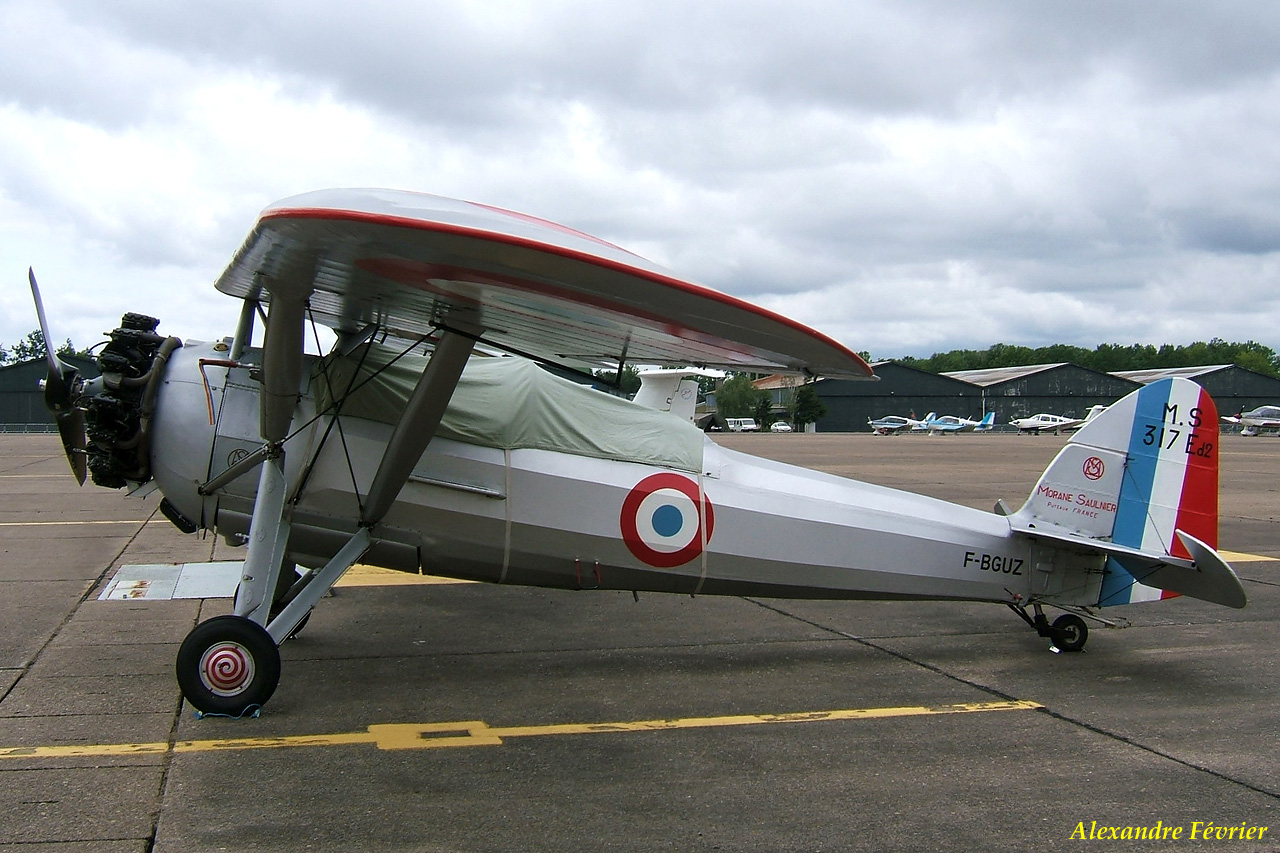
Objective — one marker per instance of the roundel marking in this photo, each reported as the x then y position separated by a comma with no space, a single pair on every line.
660,521
1094,468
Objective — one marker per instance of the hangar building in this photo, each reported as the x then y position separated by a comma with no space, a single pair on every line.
21,399
1060,389
1017,392
900,390
1233,388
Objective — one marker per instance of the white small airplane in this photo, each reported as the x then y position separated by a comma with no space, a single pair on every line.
951,424
1264,419
416,444
894,424
1045,422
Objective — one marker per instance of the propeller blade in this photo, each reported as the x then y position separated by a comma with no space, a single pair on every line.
60,386
55,366
74,442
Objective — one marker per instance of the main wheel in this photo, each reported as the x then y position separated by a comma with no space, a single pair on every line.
228,665
1070,632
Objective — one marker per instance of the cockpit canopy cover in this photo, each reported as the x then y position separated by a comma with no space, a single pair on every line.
511,402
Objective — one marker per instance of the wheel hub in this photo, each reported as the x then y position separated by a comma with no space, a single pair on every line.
226,668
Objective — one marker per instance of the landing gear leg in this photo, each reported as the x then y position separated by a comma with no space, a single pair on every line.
288,585
230,664
1068,632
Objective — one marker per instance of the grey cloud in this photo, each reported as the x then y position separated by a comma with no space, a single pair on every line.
1067,158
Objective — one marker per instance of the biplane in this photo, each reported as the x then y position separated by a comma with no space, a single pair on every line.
430,438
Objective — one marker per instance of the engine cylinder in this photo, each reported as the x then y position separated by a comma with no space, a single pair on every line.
118,419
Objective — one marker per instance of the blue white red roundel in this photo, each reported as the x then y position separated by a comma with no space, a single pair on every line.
661,523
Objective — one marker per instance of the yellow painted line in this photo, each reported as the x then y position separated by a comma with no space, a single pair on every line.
362,575
1238,557
395,736
77,523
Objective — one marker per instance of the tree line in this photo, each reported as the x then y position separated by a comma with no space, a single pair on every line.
736,397
1106,358
32,347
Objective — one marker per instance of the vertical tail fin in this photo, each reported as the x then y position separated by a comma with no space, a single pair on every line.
1171,480
674,391
1132,478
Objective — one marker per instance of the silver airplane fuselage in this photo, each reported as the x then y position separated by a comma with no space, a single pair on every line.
546,518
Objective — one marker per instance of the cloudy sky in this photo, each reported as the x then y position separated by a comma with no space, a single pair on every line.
907,176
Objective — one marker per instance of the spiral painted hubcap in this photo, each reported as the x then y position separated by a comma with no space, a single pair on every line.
226,669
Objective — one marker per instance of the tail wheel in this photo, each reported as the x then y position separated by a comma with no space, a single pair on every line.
1070,632
228,665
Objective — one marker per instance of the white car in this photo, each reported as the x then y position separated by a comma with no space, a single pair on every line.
779,426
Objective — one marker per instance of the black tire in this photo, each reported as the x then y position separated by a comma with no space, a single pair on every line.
306,617
1070,633
228,665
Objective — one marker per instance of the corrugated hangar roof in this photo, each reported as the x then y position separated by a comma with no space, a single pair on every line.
1146,377
995,375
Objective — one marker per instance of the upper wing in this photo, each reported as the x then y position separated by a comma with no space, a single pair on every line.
409,262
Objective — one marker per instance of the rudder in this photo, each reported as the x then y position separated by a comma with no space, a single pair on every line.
1132,476
1171,483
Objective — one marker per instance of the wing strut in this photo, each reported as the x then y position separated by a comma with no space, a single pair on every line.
419,421
244,328
269,528
414,431
282,368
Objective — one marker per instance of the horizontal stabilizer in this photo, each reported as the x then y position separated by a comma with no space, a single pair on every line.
1211,579
1205,576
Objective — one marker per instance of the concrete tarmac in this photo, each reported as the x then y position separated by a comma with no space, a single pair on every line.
468,717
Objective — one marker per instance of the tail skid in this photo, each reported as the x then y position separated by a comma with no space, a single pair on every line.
1139,484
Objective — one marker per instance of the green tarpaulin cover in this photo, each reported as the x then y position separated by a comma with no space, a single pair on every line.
511,403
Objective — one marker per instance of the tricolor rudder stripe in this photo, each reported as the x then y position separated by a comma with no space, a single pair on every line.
1170,481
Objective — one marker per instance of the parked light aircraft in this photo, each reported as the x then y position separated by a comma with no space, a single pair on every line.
1045,422
894,424
1261,420
419,443
953,424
